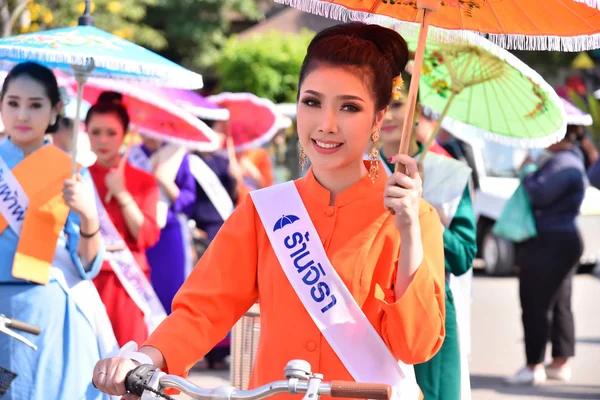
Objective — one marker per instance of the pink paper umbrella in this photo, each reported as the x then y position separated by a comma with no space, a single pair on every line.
155,116
575,116
192,102
253,121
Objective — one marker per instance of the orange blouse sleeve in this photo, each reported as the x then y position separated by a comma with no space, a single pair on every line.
413,325
220,289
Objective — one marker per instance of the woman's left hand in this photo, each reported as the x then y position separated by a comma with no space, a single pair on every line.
403,193
79,197
115,181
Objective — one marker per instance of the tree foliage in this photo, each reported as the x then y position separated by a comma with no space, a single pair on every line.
124,18
266,65
189,32
196,29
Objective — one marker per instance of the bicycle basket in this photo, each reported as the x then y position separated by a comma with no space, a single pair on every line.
6,378
244,344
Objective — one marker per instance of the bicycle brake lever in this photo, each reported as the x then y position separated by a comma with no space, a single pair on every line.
154,383
312,393
15,335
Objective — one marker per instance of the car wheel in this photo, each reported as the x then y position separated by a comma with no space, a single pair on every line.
498,254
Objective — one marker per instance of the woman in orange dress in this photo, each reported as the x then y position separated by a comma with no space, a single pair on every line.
391,264
131,206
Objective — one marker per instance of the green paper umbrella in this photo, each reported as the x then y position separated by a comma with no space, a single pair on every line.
474,82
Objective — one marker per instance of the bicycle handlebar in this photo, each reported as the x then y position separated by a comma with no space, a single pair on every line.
8,324
300,381
356,390
22,326
353,390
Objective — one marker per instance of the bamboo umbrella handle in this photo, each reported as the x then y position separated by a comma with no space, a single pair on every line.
458,84
82,74
428,6
438,126
80,82
414,87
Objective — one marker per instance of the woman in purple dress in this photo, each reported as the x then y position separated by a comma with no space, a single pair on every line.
170,259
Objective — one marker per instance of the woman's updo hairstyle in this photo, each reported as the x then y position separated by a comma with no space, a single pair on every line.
41,75
110,102
380,54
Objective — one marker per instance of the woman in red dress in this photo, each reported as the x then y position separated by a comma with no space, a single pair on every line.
131,205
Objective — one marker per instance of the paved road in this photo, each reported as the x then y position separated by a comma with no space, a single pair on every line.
498,344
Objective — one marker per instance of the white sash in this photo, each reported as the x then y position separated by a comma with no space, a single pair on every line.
212,186
324,295
460,286
86,297
186,239
129,273
13,199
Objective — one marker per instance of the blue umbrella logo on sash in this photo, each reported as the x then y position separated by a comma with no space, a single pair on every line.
285,220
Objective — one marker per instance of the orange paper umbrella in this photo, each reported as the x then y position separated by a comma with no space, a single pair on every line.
560,25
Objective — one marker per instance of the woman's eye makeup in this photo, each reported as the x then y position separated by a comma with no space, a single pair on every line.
311,102
351,107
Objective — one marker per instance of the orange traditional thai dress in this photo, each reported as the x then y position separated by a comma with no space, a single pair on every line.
363,244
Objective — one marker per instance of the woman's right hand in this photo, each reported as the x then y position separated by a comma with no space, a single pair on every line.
109,376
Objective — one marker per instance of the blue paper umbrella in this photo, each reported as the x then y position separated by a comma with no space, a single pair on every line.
79,48
85,51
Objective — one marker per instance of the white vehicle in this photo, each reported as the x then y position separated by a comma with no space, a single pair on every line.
496,178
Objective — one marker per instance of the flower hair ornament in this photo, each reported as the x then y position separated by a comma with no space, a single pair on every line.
397,85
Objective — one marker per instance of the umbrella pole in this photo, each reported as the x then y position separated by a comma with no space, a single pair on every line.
456,88
438,126
81,78
414,86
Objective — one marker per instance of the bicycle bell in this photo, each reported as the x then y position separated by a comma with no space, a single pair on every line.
298,369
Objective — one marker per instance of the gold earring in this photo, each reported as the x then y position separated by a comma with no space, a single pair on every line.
374,158
302,156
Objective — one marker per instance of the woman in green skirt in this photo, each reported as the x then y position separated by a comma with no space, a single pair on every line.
446,185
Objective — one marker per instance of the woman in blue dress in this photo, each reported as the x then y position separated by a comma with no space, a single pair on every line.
51,249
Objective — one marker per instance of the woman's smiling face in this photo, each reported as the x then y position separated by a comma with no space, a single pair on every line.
336,117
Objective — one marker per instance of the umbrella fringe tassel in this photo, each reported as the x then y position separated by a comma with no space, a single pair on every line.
590,3
507,41
470,134
134,70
